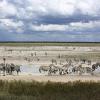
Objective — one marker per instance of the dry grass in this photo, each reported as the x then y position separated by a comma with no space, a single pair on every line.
18,90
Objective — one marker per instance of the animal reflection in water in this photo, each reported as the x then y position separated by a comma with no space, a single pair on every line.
69,69
9,69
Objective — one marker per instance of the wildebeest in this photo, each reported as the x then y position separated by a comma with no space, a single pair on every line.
66,69
15,68
69,68
8,69
2,68
43,68
95,66
51,69
81,70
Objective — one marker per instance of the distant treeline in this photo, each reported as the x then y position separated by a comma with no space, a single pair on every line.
17,43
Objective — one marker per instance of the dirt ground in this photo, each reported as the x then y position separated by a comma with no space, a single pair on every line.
43,55
41,78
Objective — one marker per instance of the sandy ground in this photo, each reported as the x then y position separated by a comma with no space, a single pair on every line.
37,56
29,78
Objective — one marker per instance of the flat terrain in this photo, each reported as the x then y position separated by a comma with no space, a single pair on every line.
31,85
37,54
64,79
44,55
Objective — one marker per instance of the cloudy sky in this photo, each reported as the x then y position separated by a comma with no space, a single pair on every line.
50,20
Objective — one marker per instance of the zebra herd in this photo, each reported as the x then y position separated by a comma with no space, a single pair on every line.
68,69
9,69
52,69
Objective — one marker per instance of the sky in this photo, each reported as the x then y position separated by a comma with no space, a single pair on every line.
50,20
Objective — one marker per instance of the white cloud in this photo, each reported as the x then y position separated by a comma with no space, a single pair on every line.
11,25
62,7
65,7
49,27
35,8
83,26
78,26
90,7
7,9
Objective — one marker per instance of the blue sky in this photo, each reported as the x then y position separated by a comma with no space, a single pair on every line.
50,20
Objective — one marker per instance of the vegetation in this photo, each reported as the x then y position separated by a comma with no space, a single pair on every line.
18,90
88,56
47,44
